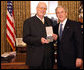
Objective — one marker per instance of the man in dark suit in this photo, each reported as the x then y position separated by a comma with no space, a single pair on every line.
40,53
70,41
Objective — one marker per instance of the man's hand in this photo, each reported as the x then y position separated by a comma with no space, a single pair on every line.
43,41
55,36
79,62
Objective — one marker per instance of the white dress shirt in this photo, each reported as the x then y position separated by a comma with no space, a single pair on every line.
63,25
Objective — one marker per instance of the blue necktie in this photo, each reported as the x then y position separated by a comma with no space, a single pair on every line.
60,33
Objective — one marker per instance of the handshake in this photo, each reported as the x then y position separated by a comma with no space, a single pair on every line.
49,39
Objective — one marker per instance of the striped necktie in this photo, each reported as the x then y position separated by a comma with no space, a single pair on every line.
60,33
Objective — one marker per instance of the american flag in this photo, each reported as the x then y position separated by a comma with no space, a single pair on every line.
11,36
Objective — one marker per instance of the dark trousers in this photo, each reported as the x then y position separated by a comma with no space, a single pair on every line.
47,63
68,68
48,60
60,66
35,67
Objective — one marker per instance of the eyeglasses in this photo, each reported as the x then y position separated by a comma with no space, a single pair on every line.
41,8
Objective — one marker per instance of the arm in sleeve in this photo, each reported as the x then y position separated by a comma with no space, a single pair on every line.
27,36
79,40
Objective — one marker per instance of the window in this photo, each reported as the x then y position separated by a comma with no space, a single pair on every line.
51,5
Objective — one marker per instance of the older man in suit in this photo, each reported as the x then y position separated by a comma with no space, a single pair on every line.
70,41
40,53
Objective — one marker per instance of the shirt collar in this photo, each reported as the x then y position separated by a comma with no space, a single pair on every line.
40,18
64,22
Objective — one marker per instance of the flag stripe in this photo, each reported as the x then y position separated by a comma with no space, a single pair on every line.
13,30
8,24
12,34
11,23
8,14
8,33
9,41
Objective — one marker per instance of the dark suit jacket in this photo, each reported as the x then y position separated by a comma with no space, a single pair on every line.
71,45
33,30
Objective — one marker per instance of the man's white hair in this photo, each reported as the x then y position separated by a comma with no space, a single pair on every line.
41,3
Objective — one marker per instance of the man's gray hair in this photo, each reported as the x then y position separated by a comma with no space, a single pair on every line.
61,7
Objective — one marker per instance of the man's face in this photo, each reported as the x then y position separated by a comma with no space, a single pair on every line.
61,14
41,10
